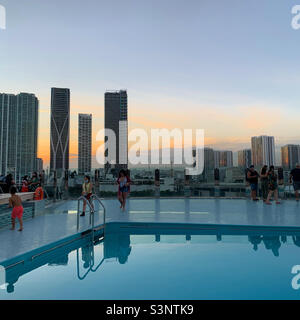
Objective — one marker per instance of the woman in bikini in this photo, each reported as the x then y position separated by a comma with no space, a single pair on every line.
123,182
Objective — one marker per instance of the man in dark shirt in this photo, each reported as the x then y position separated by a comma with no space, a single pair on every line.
295,178
252,177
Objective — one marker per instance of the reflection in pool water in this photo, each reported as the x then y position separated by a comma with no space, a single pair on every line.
179,262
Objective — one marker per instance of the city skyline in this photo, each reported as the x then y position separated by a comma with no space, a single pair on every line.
241,84
222,158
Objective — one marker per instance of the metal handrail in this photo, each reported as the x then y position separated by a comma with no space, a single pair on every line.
92,262
98,266
92,221
95,197
91,267
82,198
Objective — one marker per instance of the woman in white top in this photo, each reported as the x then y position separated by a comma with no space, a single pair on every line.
87,188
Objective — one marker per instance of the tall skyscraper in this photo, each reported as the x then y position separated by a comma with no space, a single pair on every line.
209,159
244,158
216,159
8,123
290,156
84,143
263,151
18,134
116,111
209,164
60,129
223,159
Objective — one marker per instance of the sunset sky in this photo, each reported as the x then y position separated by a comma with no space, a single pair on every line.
228,67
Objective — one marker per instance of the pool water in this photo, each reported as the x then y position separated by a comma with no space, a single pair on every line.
164,263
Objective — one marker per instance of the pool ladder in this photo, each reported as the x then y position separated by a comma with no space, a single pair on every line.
91,267
92,212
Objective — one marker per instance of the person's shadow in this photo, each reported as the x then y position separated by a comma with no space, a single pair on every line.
272,243
255,240
296,240
124,248
87,255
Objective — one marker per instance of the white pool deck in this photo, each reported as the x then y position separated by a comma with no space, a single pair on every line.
59,221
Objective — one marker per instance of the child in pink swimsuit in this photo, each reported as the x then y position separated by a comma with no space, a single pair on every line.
15,202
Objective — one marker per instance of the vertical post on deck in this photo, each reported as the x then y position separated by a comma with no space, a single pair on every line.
187,187
217,182
97,174
78,208
54,185
67,183
157,183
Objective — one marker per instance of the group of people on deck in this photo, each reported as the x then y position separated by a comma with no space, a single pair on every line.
269,182
15,202
123,182
31,184
267,177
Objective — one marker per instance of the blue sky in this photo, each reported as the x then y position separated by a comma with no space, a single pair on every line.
230,67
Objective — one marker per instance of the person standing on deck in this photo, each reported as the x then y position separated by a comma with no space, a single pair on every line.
15,202
39,193
34,181
295,179
42,178
9,183
123,189
87,191
253,176
25,184
264,182
273,185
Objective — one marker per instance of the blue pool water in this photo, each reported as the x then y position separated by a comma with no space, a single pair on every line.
163,263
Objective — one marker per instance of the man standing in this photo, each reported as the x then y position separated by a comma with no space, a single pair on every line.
295,178
253,176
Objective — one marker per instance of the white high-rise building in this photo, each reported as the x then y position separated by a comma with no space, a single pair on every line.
263,151
116,121
84,143
18,134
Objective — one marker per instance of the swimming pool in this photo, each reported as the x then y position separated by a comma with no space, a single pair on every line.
167,261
